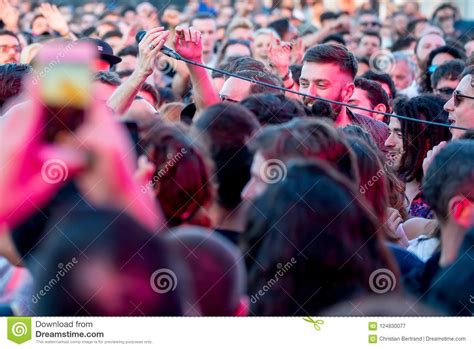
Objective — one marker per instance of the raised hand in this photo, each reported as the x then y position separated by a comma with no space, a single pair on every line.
32,171
279,56
55,18
149,49
188,43
9,15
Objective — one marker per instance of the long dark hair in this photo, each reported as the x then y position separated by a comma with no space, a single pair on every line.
419,138
314,238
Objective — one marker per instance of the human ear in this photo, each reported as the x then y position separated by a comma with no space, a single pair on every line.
462,211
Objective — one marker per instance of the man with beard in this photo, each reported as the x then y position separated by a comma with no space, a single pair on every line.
328,72
10,48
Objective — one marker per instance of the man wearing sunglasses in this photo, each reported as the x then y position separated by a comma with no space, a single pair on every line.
10,48
461,105
446,78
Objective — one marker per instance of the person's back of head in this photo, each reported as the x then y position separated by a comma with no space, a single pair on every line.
100,272
451,176
11,78
181,178
226,124
307,138
238,64
226,128
271,108
313,246
217,270
281,26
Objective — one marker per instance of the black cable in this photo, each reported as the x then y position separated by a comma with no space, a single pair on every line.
224,72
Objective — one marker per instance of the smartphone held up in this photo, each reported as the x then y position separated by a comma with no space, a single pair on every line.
64,74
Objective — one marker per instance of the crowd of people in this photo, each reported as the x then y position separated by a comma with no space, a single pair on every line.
235,159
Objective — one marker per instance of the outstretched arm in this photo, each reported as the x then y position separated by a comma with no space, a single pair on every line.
148,50
188,44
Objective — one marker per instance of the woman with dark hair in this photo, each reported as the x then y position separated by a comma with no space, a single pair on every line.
436,58
181,176
418,138
313,235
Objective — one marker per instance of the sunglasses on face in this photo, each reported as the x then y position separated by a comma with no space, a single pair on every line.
458,98
7,48
446,91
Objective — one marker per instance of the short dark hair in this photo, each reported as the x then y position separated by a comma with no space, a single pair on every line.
451,173
425,83
403,43
281,26
265,77
238,64
130,50
327,15
227,123
11,80
226,128
443,7
419,138
108,78
328,53
413,23
383,79
112,34
374,34
450,70
375,93
334,37
271,108
9,33
295,70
